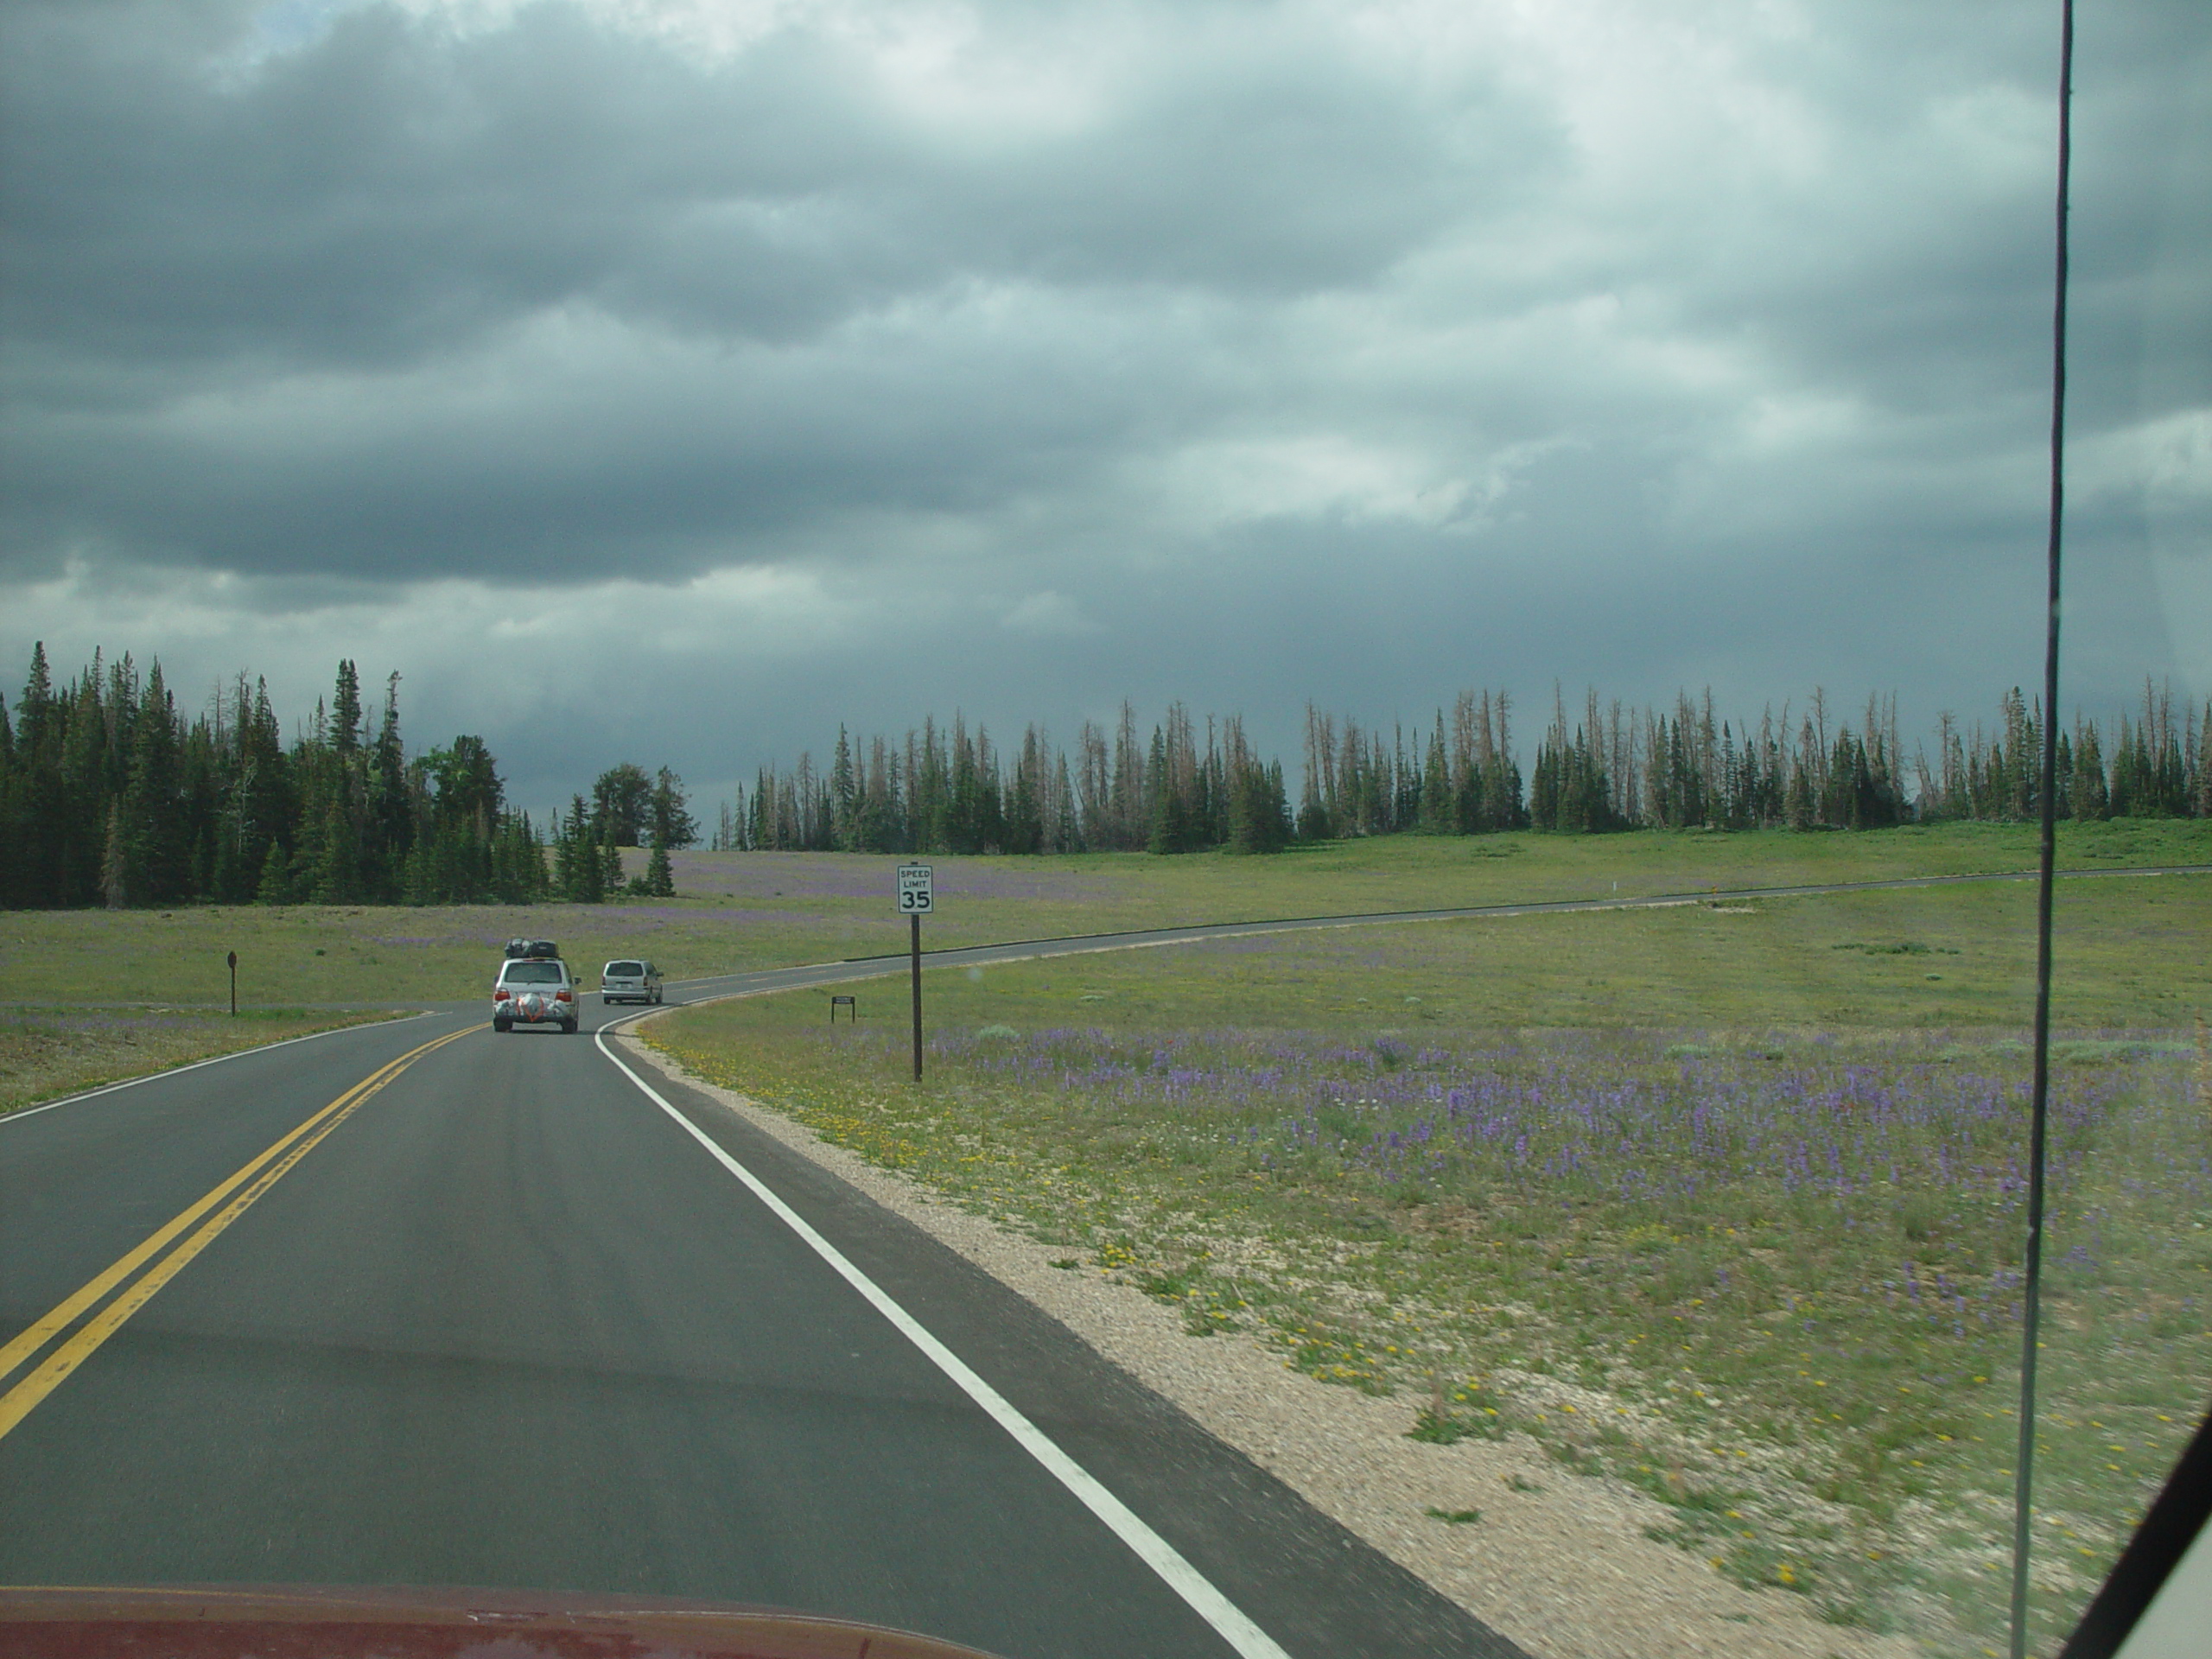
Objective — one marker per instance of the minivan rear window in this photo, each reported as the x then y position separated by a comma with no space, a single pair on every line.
626,970
531,973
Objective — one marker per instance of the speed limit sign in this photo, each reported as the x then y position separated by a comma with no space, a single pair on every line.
914,896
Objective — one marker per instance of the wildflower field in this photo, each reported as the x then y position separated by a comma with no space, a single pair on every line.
1745,1233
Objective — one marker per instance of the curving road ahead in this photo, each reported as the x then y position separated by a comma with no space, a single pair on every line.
497,1317
413,1304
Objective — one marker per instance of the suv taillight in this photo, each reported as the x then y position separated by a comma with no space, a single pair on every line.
501,994
562,996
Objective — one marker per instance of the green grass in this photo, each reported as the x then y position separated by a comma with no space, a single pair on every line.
1502,1300
46,1054
1815,1380
2128,953
751,910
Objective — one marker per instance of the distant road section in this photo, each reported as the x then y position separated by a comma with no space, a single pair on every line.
837,973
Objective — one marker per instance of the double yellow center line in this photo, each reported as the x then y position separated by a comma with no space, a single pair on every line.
229,1199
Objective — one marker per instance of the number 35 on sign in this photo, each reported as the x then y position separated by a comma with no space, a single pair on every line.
914,896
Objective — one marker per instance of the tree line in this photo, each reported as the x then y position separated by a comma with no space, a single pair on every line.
1599,767
626,809
111,794
952,790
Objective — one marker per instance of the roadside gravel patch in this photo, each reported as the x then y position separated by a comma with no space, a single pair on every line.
1556,1561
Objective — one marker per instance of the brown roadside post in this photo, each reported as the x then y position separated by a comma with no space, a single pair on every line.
234,984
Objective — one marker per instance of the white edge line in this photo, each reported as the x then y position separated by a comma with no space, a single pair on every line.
212,1059
1229,1621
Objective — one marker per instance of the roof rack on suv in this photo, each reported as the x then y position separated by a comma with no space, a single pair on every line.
519,950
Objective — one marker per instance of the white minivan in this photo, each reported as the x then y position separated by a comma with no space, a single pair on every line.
629,981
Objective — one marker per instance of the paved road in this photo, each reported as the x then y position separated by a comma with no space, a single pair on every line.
510,1322
497,1315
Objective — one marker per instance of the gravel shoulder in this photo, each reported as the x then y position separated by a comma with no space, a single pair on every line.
1558,1563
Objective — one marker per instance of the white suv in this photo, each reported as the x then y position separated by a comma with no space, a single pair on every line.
535,991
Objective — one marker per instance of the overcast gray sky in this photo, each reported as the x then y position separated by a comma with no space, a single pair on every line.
668,383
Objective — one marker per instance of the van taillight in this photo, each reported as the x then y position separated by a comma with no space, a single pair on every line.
501,994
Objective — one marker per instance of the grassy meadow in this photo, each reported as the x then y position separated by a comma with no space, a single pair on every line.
755,910
48,1053
1721,1199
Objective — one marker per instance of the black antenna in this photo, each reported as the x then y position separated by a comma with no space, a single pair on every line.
2032,1297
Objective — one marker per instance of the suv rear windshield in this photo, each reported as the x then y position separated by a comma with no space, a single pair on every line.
627,970
531,973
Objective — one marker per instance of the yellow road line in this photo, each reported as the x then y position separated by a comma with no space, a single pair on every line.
256,1177
65,1313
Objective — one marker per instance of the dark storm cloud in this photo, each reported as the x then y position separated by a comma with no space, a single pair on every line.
199,262
576,444
386,192
1022,356
390,191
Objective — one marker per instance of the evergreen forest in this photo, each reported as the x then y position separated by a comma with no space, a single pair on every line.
1598,767
112,794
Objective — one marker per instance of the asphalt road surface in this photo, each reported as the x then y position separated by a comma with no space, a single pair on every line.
505,1321
414,1304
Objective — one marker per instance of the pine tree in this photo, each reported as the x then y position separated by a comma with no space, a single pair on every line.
33,874
2087,796
1797,800
275,886
660,874
345,722
16,775
579,871
1438,812
86,781
389,829
338,861
844,795
2201,778
621,805
517,863
1259,818
156,859
1169,829
114,864
1024,818
963,821
668,817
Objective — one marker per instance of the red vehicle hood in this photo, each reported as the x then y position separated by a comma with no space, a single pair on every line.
338,1621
